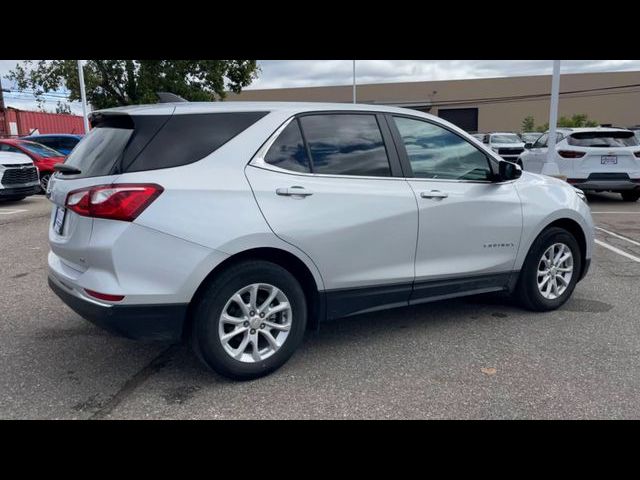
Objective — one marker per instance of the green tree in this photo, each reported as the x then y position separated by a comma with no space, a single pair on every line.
576,120
528,124
111,83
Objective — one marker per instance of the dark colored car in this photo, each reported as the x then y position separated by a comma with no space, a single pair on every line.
44,158
62,142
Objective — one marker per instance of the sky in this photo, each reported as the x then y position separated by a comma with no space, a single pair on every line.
304,73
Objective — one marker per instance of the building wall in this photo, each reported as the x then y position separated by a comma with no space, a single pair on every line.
619,107
22,122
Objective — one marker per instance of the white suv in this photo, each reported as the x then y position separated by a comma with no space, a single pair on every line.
237,225
18,176
592,159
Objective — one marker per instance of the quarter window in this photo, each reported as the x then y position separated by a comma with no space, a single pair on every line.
435,152
346,144
289,151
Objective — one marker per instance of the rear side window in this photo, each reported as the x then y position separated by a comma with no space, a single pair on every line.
346,144
122,143
603,139
289,151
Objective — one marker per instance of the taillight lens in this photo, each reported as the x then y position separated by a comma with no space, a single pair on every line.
104,296
570,154
114,202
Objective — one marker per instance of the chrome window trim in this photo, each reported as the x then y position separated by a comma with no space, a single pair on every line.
258,161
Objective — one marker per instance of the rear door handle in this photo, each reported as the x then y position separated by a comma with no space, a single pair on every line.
293,192
434,194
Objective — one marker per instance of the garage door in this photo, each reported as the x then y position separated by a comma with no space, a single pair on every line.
465,118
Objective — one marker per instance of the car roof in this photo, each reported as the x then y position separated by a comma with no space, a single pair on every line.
589,129
239,106
50,135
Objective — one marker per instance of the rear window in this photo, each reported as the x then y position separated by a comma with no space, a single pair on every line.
124,143
603,139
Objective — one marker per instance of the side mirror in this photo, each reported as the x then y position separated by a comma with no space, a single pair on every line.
508,170
528,145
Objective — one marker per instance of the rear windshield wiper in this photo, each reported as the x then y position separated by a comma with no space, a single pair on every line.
66,169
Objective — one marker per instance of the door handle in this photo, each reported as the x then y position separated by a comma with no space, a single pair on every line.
293,191
434,194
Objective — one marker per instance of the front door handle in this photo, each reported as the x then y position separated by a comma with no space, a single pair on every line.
434,194
293,192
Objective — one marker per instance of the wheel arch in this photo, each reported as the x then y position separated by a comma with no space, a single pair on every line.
289,261
575,229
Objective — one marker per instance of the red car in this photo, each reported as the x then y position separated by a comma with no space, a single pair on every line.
43,157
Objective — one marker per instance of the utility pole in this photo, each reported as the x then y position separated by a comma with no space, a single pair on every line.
550,167
354,81
83,97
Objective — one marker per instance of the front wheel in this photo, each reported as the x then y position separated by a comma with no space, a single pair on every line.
249,320
550,271
630,196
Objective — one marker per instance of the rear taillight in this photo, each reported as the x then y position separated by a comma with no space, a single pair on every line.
115,202
570,154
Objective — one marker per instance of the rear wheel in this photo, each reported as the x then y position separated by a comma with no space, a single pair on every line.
630,196
249,320
550,271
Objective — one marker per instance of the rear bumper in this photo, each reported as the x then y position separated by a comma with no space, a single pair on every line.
605,185
19,191
137,322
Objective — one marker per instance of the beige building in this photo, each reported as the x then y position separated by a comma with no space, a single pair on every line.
488,104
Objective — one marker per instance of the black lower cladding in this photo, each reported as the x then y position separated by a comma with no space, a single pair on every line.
344,302
139,322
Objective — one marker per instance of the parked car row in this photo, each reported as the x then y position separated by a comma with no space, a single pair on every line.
591,159
31,159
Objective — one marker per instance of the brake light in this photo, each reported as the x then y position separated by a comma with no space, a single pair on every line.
114,202
104,296
570,154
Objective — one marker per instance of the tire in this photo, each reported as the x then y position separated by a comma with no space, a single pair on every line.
527,290
630,196
44,181
209,327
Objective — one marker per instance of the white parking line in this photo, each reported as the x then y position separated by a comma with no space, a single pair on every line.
11,212
617,250
617,235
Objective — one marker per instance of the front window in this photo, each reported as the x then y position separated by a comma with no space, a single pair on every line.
39,149
435,152
505,138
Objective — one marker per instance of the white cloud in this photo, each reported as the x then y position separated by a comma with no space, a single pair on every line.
303,73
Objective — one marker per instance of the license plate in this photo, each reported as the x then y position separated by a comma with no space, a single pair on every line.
609,160
58,221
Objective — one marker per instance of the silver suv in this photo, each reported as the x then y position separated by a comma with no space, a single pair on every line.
238,225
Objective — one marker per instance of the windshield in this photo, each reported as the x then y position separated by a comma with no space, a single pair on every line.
603,139
505,138
40,150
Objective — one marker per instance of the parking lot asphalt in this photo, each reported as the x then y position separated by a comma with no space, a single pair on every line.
479,357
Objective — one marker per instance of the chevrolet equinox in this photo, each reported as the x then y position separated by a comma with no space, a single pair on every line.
235,226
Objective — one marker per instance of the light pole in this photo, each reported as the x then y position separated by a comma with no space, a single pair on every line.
550,167
83,97
354,81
